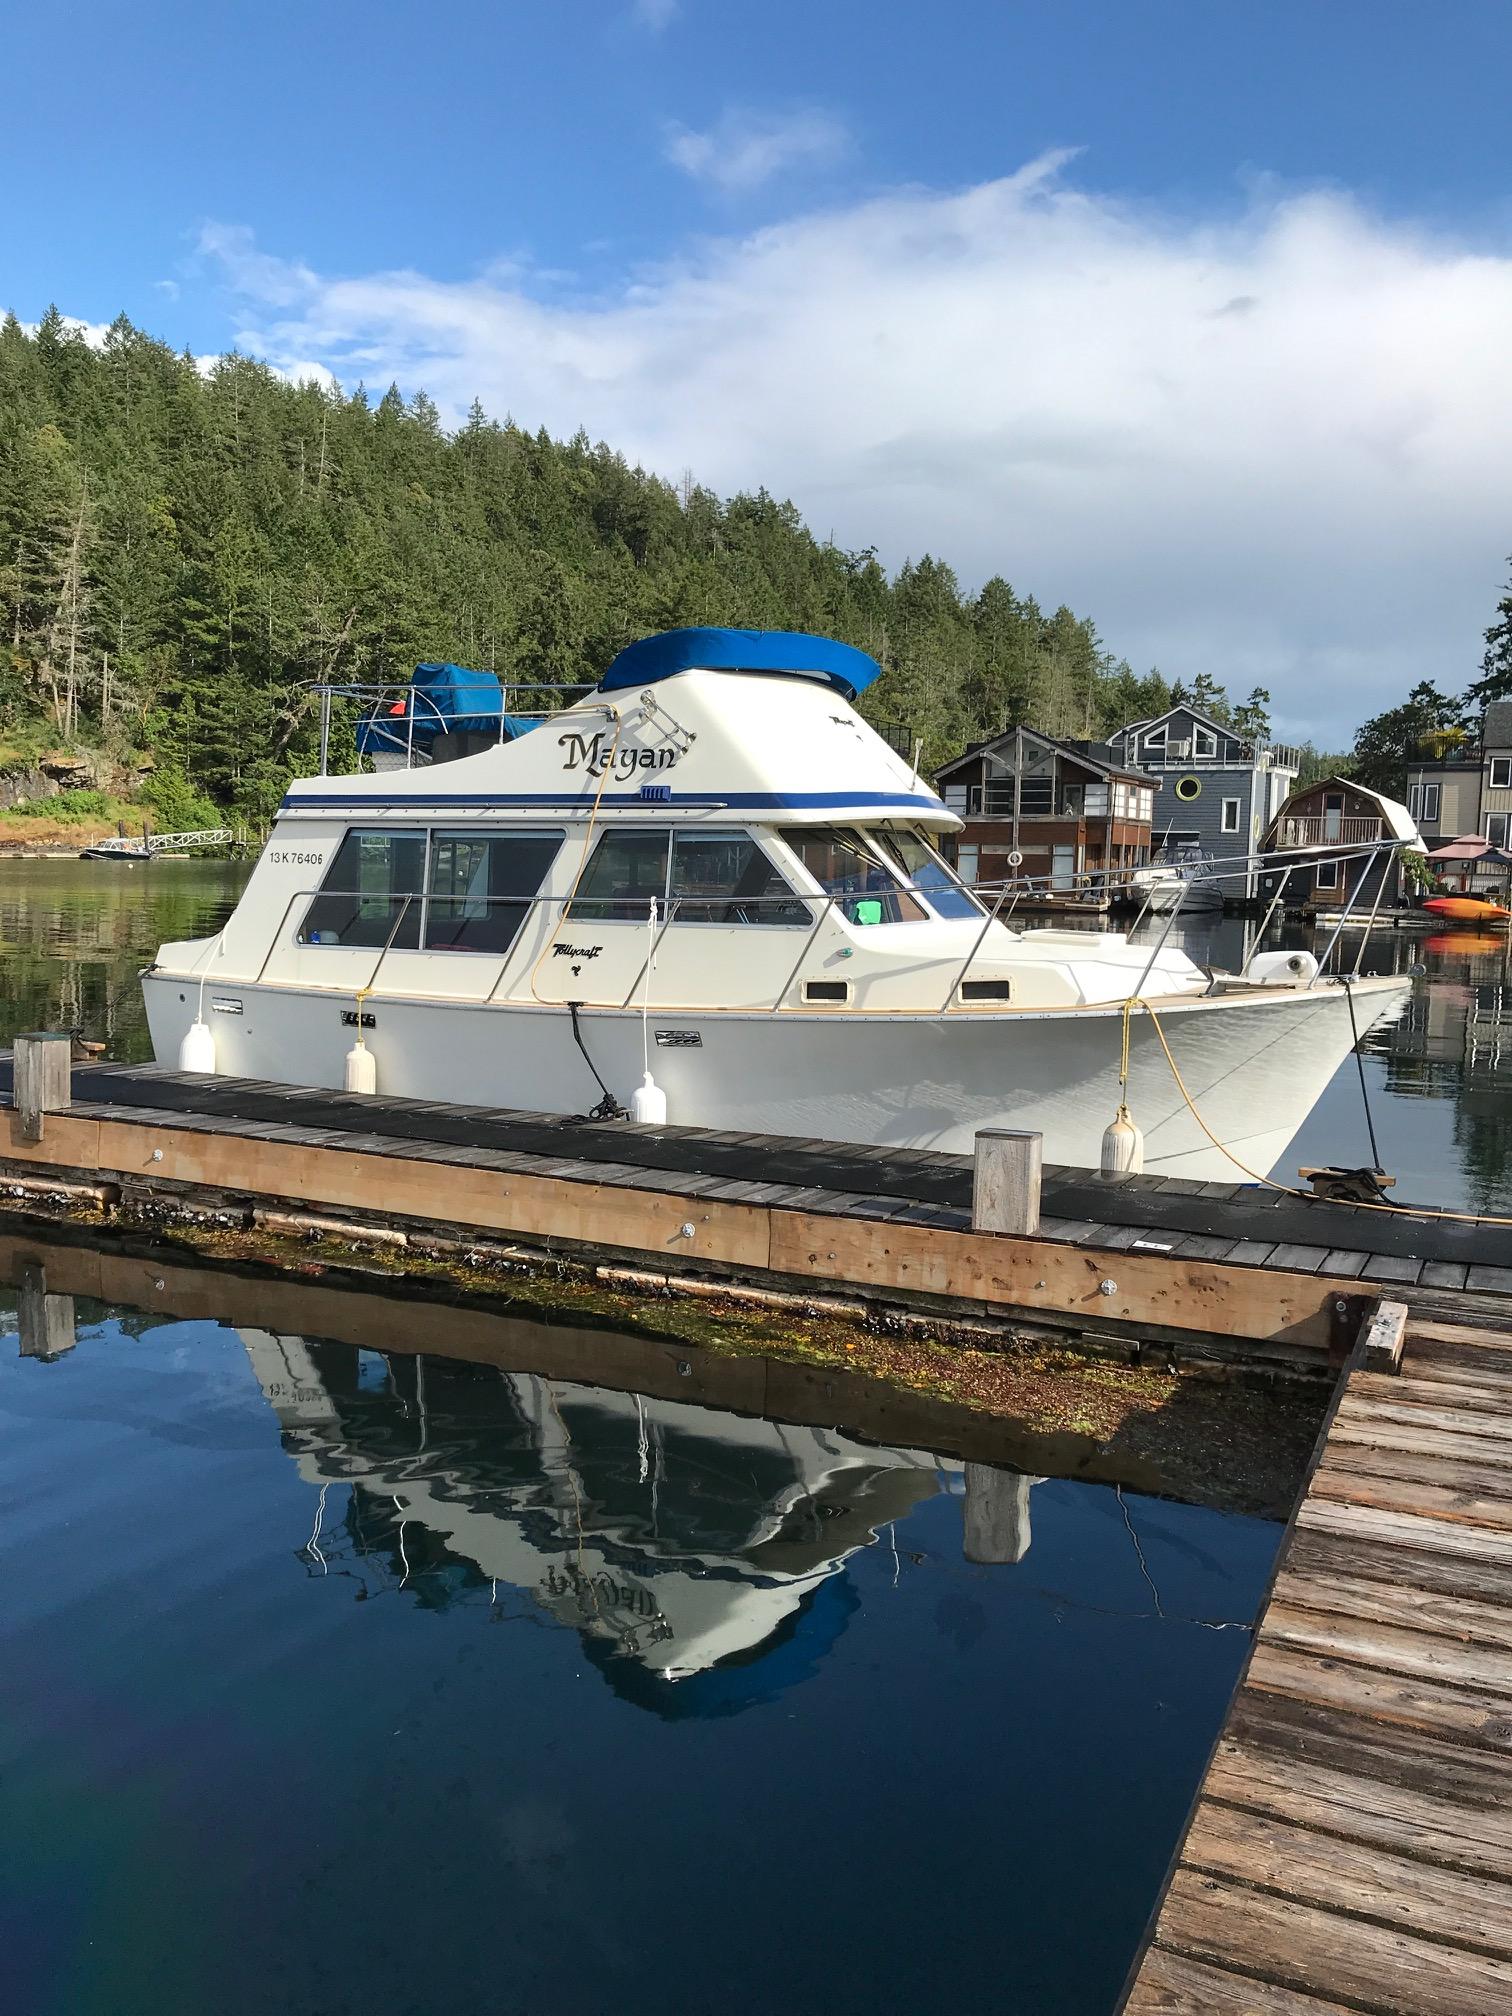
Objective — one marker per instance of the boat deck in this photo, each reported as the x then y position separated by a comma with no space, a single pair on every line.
1351,1845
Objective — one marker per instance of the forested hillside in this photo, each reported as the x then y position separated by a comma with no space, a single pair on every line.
183,552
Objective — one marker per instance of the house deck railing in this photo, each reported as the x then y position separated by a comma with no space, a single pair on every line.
1328,830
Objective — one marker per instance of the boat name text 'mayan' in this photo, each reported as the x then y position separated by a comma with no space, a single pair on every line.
597,754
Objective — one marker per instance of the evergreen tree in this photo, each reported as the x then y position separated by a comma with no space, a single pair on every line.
1495,682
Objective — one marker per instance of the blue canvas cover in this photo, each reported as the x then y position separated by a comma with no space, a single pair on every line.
840,666
442,700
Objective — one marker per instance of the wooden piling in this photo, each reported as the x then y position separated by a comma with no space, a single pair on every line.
1005,1190
46,1321
995,1528
44,1074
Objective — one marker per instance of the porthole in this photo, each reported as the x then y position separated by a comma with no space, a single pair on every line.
1188,788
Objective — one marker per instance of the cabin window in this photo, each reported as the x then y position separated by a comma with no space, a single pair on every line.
724,878
712,878
866,892
1231,815
372,893
928,873
481,886
1327,876
628,868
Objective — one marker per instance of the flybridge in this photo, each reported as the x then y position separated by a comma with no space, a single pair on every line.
447,711
787,652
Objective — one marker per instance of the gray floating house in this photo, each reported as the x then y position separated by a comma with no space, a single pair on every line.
1216,791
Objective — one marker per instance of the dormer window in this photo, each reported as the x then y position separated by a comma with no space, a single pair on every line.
1204,742
1156,739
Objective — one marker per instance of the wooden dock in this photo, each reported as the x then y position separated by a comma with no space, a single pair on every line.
1181,1270
1351,1844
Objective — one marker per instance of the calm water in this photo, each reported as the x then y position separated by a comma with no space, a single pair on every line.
73,935
342,1679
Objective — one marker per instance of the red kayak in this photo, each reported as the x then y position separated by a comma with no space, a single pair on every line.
1467,909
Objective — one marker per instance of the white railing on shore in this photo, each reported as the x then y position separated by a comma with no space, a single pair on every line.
164,843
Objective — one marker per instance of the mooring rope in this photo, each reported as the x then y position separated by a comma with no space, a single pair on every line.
1269,1182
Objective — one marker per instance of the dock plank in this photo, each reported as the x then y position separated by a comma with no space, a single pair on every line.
1397,1494
1387,1649
1362,1807
1472,1472
1314,1950
1173,1985
1428,1569
1398,1604
1474,1912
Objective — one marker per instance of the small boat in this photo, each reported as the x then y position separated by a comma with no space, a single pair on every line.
1178,883
710,892
1467,909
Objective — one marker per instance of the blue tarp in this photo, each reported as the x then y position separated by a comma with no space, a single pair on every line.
841,666
442,700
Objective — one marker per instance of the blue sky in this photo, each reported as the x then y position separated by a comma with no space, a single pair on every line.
1193,315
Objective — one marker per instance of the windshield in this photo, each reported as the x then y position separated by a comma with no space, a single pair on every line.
866,890
927,872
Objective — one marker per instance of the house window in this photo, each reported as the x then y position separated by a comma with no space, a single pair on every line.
371,894
1156,739
1415,800
1326,875
955,796
1501,773
1496,827
1230,815
1147,805
968,859
1204,742
1430,804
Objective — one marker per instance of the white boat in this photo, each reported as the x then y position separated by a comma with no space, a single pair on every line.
710,866
1178,884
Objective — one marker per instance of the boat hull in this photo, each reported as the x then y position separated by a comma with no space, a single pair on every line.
1254,1065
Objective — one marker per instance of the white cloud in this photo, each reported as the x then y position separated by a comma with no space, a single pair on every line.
1273,447
742,150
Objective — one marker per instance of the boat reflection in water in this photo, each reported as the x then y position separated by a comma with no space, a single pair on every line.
676,1540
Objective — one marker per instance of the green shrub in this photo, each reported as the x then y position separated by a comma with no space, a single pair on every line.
73,808
177,806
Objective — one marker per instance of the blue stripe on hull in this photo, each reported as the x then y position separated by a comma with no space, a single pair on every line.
735,801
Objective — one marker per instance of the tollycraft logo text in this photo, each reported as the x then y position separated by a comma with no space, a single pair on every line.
597,754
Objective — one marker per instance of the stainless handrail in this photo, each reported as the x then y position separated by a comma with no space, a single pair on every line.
817,907
378,691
